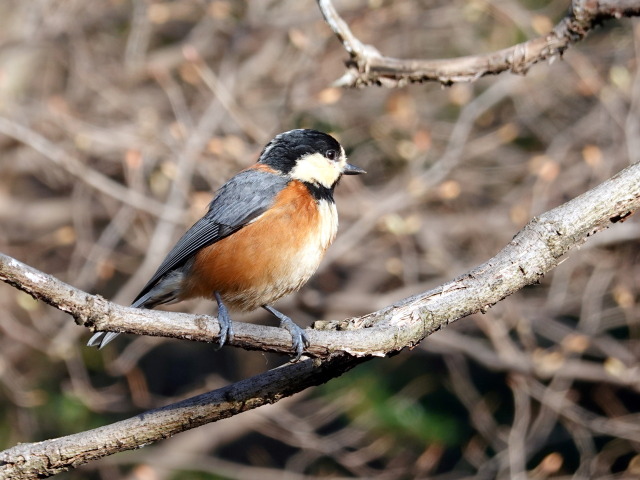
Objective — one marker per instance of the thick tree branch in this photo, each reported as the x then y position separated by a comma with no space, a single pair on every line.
534,251
43,459
367,66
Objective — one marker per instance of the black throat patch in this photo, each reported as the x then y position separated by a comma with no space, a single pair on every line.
318,192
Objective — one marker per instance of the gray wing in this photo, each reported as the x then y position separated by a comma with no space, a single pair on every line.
239,201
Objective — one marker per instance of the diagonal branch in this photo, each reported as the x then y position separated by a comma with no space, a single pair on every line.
534,251
43,459
96,180
367,66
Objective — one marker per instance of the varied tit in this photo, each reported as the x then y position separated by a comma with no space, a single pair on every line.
263,236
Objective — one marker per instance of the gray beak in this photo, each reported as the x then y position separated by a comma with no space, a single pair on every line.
352,170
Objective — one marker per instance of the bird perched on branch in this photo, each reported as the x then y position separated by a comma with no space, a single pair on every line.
263,236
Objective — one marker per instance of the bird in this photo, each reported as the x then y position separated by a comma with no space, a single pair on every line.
263,236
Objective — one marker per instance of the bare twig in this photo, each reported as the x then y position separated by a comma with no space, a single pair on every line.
80,170
367,66
534,251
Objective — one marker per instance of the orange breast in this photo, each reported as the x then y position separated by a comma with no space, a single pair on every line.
269,258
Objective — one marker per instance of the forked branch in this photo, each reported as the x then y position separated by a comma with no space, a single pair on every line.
367,66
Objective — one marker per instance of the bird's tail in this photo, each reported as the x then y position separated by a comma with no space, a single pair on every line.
165,292
100,339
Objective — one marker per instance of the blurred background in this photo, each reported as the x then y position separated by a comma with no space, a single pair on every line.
118,118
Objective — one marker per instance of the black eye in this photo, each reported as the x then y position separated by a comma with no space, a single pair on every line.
331,154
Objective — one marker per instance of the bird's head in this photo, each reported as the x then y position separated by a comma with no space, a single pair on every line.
308,156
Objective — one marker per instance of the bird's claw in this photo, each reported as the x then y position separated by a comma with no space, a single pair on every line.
224,323
299,338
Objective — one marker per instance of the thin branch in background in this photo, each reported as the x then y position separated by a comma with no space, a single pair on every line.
83,173
367,66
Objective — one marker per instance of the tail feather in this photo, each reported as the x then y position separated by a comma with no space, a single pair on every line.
100,339
164,292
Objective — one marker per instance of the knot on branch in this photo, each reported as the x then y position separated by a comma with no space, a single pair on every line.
94,310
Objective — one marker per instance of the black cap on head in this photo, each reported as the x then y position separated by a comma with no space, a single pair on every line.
285,149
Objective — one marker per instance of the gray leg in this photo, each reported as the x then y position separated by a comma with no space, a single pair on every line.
299,338
224,321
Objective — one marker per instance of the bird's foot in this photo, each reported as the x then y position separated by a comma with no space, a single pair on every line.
300,341
224,323
299,338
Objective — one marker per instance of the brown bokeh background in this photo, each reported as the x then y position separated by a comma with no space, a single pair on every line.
119,118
